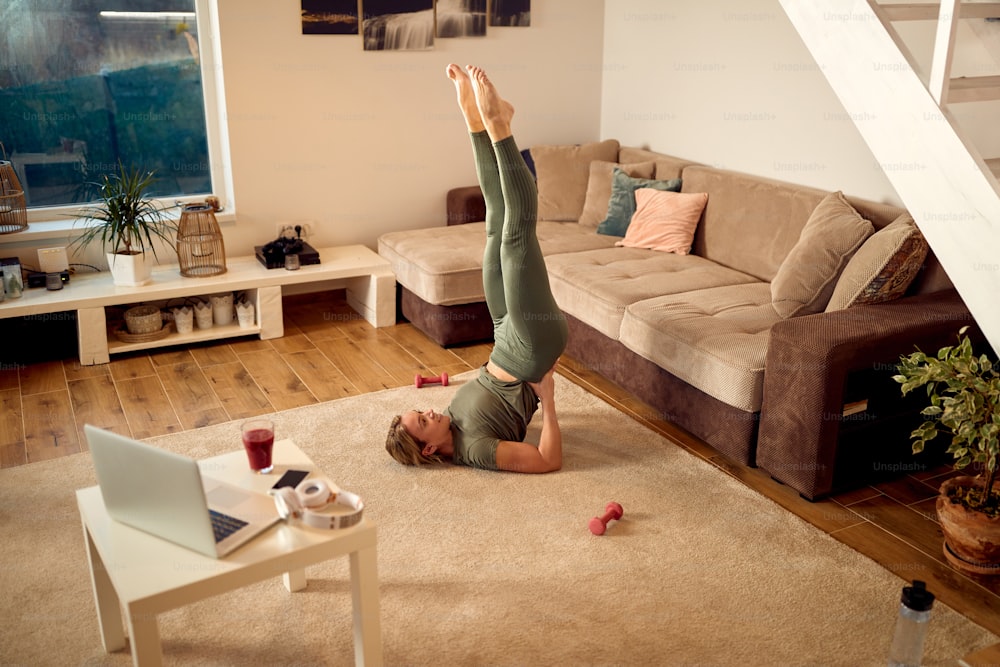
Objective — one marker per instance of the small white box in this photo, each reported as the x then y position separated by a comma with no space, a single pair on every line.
52,260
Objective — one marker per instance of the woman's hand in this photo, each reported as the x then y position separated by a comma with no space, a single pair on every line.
547,456
545,388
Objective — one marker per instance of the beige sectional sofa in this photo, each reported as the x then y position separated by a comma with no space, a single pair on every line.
772,340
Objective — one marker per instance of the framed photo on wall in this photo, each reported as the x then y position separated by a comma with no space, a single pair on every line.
516,13
461,18
398,25
330,17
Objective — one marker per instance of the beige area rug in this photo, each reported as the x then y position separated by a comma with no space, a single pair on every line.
480,568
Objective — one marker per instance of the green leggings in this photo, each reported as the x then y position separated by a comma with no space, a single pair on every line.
529,330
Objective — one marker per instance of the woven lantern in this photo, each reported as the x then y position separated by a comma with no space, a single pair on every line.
13,209
200,248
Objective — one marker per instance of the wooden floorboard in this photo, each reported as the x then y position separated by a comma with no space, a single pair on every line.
237,390
330,352
49,427
191,395
95,401
12,449
320,376
147,408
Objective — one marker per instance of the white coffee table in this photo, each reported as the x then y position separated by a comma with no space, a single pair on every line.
145,575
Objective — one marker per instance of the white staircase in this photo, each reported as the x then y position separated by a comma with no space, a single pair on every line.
906,112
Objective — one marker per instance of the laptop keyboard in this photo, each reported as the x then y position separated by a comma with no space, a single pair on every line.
224,525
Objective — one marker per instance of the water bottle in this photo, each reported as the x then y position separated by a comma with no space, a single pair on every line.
911,626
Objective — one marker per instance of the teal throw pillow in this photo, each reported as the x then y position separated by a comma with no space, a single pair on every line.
621,206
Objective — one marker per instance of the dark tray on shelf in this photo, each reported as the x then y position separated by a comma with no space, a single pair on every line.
308,255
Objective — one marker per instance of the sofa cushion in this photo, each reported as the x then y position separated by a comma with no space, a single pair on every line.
443,265
563,172
595,207
750,223
806,279
595,286
713,339
664,221
621,205
883,267
667,166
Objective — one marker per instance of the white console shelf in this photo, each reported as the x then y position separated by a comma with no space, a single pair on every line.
368,278
196,336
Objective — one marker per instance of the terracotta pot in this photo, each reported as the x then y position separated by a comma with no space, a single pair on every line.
972,538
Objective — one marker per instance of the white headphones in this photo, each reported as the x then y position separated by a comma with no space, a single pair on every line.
310,501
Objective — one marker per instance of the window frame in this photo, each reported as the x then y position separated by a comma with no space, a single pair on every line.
60,221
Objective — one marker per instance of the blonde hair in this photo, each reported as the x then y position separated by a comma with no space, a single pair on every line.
404,447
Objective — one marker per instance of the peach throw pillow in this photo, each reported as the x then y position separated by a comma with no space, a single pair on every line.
664,221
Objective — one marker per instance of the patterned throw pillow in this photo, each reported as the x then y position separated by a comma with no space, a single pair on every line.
884,267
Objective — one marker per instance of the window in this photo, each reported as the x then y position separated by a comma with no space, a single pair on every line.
85,84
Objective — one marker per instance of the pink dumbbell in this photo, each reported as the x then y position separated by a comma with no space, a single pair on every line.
600,523
420,381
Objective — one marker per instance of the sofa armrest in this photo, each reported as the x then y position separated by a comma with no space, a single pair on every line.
808,369
466,205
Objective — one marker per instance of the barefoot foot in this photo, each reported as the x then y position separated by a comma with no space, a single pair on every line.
495,111
466,98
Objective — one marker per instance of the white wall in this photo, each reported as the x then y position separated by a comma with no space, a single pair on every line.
729,83
360,143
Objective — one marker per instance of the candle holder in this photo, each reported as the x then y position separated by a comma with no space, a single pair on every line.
201,251
13,208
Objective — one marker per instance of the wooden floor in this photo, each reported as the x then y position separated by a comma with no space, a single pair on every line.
329,352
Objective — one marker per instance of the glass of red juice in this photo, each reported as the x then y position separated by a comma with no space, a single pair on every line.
258,440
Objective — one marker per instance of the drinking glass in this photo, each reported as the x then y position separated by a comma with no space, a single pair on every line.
258,440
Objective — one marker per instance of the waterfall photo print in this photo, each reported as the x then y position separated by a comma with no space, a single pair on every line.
329,17
461,18
398,25
515,13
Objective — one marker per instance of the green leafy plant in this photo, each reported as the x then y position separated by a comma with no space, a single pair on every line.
964,393
125,220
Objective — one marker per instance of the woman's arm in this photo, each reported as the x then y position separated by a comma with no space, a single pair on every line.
547,456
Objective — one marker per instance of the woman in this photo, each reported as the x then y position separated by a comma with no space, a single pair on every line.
487,420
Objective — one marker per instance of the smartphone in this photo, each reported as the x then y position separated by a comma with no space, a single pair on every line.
290,478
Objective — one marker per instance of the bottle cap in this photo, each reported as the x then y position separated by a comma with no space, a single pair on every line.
917,597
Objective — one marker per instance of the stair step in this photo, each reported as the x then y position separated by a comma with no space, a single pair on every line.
974,89
928,11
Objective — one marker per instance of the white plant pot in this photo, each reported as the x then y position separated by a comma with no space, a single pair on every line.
130,270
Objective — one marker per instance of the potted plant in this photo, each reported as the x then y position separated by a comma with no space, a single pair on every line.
964,392
126,221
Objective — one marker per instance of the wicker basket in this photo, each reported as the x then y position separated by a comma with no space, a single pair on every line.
126,337
143,319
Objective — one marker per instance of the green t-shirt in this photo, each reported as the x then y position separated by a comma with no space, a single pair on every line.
486,411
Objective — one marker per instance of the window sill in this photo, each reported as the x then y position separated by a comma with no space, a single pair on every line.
68,228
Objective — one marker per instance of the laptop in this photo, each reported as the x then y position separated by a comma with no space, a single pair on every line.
164,494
